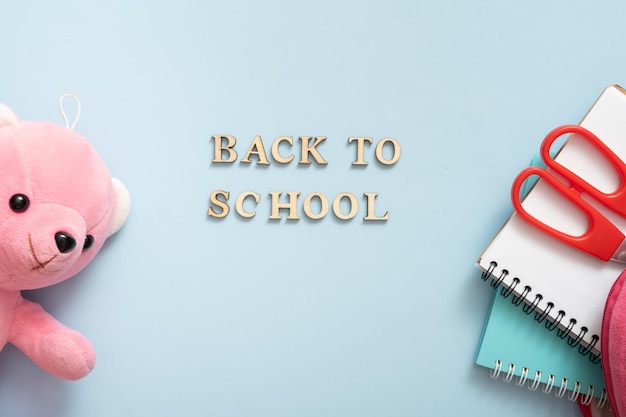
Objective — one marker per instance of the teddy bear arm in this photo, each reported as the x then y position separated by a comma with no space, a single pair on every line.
61,351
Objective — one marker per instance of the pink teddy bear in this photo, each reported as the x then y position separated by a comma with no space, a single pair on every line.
58,204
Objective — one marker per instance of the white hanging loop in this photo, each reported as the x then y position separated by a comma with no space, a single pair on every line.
67,122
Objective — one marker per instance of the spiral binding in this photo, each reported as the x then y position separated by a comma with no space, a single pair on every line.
563,330
561,389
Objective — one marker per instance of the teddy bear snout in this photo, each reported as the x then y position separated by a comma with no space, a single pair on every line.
65,242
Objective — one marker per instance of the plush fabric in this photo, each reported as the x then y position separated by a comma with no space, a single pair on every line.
56,195
613,350
592,409
613,345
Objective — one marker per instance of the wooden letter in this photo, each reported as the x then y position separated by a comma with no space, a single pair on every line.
257,148
354,206
306,150
323,206
219,148
275,152
396,151
239,203
291,205
360,149
371,208
223,205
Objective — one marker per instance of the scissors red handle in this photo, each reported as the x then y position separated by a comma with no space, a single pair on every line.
601,238
615,200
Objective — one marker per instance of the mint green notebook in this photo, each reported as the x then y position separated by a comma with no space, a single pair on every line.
519,350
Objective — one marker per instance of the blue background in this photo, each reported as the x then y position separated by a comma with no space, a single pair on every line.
197,316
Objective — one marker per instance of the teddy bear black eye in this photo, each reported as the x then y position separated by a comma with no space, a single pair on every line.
19,203
88,242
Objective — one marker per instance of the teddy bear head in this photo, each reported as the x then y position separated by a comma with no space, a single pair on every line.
58,203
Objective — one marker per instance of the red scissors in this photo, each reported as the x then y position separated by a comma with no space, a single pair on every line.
601,239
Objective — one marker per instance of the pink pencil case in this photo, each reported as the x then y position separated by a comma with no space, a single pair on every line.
613,346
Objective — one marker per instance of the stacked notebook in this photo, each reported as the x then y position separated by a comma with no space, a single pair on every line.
517,350
544,325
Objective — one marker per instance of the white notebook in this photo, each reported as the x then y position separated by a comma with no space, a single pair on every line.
563,287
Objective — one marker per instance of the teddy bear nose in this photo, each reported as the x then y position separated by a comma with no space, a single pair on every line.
65,242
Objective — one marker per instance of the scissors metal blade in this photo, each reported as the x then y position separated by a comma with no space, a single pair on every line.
620,253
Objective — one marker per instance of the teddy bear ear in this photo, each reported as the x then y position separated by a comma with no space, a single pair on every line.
7,116
122,206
